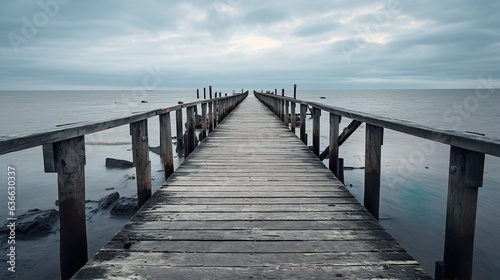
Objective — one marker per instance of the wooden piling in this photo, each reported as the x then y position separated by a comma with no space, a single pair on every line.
69,157
210,116
295,91
316,130
293,118
373,154
140,155
334,144
190,119
166,151
203,121
180,132
287,113
303,112
204,93
465,178
197,93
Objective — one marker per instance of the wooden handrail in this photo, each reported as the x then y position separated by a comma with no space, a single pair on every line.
473,142
466,169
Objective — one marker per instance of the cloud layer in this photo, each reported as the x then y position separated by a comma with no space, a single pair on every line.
64,44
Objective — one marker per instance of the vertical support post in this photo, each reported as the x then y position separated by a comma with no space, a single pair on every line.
190,130
303,112
287,113
179,130
203,121
465,178
334,144
293,117
282,107
373,156
316,130
69,157
198,93
166,152
140,155
216,112
210,91
210,116
295,91
204,93
341,170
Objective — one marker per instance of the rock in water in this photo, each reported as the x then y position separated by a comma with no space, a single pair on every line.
35,222
118,163
155,150
105,203
124,206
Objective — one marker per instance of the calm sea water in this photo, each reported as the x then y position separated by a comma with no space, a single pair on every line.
414,171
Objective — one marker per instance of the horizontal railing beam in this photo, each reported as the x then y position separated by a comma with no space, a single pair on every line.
473,142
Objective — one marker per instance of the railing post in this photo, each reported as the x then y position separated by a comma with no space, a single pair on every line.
179,130
303,112
334,144
282,106
373,154
293,117
316,130
465,178
198,93
203,121
204,93
216,112
287,113
140,155
190,119
210,116
166,152
295,91
69,158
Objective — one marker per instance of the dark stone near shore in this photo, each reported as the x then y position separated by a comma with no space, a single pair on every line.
34,223
155,150
110,199
118,163
124,206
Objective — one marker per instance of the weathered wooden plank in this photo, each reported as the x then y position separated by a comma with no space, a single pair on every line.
69,158
166,151
140,155
370,224
365,271
164,198
465,178
373,155
257,208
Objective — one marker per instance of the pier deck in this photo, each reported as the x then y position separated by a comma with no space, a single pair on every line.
252,202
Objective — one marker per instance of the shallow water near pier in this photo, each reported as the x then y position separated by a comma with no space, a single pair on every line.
414,171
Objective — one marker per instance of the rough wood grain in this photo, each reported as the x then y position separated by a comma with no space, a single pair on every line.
253,201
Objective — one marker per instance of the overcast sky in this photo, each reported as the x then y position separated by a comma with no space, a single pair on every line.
318,44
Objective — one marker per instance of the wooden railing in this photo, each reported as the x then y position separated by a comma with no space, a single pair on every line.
466,168
64,154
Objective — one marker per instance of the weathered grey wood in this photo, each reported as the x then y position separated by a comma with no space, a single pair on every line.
287,113
373,155
316,130
348,131
470,141
334,144
48,158
303,135
140,155
210,117
179,132
249,199
465,178
341,170
166,151
69,158
198,93
293,116
191,123
205,93
204,121
295,91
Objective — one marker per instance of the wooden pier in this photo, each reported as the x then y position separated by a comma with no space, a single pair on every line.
252,202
